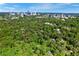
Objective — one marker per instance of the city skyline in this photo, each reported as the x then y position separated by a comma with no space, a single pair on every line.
40,7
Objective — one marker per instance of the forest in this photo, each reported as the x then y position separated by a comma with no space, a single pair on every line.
31,36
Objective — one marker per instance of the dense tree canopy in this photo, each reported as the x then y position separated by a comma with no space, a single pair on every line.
31,36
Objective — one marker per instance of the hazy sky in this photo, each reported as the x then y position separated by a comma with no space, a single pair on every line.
40,7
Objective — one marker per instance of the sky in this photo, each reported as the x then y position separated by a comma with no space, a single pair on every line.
40,7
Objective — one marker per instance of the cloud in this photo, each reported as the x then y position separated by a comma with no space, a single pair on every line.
42,6
72,4
39,7
2,3
46,7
